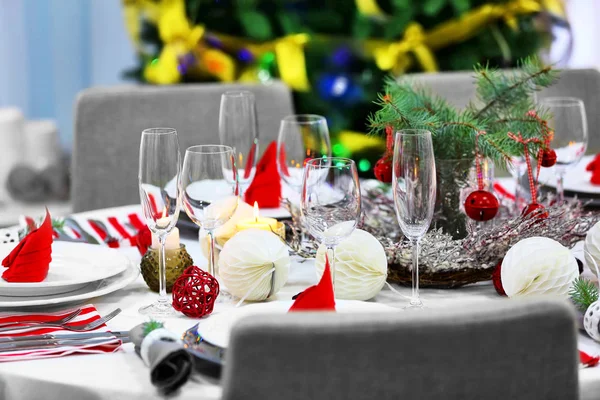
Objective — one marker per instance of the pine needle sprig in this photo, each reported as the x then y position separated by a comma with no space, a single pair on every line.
504,100
583,293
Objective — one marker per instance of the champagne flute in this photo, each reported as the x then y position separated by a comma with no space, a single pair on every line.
569,123
301,138
414,186
159,170
238,128
331,201
209,184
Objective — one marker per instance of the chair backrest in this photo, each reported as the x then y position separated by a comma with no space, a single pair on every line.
459,89
505,349
109,123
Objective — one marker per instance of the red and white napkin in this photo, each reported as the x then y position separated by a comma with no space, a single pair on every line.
87,315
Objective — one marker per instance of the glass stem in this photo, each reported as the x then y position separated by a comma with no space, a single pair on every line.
560,189
415,300
162,269
212,268
331,258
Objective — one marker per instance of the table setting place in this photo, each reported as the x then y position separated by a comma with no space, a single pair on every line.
236,231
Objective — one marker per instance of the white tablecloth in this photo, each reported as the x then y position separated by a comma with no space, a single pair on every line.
124,376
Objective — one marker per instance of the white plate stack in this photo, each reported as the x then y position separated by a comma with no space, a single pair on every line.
78,271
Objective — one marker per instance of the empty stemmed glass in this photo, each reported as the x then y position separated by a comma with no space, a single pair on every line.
159,185
238,128
301,138
569,123
331,201
209,186
414,186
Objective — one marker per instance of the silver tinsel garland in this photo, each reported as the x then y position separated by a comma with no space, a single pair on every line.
482,249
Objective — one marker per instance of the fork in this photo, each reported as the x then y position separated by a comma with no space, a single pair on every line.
60,321
78,328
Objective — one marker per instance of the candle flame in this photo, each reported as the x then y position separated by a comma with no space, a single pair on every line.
255,211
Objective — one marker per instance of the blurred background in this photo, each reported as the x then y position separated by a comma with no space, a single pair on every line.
334,55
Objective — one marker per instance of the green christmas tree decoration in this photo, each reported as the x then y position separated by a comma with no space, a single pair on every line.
583,293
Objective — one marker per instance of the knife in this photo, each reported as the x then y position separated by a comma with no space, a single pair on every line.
75,225
88,335
53,343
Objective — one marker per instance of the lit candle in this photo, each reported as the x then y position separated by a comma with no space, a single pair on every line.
265,224
172,242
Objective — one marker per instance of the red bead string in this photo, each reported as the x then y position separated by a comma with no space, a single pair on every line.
525,142
548,136
389,140
478,161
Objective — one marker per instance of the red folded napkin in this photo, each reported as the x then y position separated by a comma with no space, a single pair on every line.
594,168
30,260
266,185
88,314
317,297
587,361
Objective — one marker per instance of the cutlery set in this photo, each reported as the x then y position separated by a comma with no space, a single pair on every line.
50,340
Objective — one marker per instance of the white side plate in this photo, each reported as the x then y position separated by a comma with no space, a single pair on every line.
73,266
217,328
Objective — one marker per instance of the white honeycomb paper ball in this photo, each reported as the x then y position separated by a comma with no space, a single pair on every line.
591,320
360,266
536,266
592,248
247,257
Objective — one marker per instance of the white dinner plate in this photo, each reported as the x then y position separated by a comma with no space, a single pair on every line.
92,289
577,179
73,266
216,329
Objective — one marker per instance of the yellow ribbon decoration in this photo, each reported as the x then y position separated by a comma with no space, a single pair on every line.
395,56
290,61
133,11
355,142
369,8
218,64
179,39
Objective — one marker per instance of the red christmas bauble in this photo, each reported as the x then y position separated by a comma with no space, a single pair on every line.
195,292
497,279
548,158
383,169
537,210
481,205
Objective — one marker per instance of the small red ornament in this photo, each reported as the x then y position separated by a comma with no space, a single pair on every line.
536,210
481,205
548,158
383,166
383,169
195,292
497,279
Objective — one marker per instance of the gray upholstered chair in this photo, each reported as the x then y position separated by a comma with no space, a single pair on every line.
109,123
458,88
505,349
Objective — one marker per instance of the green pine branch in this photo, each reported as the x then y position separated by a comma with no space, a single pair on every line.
583,293
506,98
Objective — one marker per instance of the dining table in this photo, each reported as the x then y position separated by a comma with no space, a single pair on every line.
123,374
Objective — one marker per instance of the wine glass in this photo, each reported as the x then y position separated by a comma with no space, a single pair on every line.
414,186
209,184
301,139
159,169
331,201
569,123
238,128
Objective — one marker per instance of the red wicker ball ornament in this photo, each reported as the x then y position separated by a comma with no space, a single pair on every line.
195,292
537,210
497,279
383,169
481,205
548,158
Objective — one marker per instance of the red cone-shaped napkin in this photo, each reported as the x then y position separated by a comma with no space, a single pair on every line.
317,297
30,260
266,185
